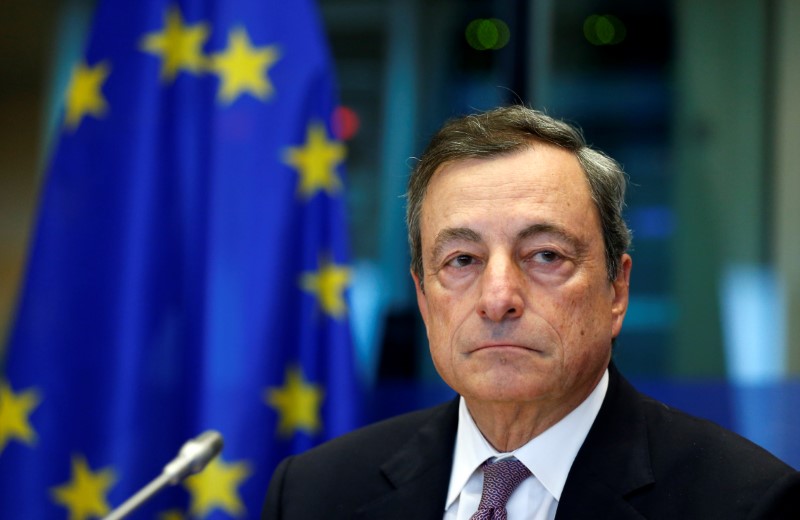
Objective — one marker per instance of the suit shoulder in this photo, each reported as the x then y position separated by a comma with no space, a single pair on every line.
689,441
375,441
340,476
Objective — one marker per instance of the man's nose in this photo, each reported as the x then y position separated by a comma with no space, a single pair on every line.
502,285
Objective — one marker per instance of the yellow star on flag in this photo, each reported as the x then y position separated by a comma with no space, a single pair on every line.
328,285
172,514
15,410
180,46
243,68
216,487
84,96
85,494
298,403
316,162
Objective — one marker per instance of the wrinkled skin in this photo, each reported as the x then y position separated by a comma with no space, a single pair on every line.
516,300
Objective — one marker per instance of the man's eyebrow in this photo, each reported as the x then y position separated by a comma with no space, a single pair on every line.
542,228
577,244
450,234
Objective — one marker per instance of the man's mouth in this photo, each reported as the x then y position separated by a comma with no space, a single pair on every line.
503,346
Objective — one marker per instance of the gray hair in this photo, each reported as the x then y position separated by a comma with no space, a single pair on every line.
507,129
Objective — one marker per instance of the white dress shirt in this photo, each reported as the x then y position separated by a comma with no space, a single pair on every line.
548,456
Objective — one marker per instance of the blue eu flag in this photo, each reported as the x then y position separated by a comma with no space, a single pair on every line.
189,266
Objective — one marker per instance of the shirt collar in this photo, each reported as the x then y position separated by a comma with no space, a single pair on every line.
548,456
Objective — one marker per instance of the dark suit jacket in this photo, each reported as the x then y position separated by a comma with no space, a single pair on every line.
641,459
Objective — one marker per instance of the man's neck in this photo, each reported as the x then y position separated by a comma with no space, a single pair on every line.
510,425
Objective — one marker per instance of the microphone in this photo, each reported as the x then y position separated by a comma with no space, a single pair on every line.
195,454
193,457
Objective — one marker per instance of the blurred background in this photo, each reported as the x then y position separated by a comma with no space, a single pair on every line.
699,100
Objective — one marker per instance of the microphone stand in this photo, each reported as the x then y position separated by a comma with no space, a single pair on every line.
194,455
141,496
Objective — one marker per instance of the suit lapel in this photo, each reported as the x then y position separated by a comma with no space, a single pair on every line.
419,473
614,460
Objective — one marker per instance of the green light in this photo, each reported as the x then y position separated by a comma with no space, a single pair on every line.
487,33
604,29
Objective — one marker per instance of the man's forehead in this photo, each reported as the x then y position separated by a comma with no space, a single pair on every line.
548,178
562,165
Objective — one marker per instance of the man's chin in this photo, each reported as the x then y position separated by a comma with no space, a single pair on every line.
505,381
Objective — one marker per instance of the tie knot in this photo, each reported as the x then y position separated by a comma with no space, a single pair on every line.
500,479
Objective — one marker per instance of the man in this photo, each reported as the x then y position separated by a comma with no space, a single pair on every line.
518,255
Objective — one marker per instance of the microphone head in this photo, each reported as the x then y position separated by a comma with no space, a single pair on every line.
194,455
202,449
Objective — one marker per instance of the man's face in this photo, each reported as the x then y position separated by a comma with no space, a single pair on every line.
516,299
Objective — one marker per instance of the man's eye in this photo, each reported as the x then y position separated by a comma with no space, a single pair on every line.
462,261
547,257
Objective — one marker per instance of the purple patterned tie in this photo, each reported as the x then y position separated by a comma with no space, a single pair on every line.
500,479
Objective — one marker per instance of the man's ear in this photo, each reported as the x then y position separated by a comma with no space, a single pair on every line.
620,286
422,300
